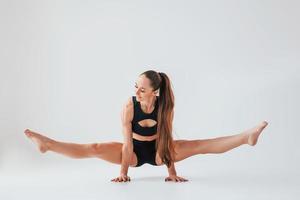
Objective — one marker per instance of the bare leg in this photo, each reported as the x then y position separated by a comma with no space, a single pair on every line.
109,151
187,148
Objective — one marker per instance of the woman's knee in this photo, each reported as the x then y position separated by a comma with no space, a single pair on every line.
96,148
106,148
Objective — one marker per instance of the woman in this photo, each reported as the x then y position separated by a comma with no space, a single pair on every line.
147,128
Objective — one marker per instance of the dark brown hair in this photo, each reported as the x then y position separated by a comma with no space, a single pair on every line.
164,142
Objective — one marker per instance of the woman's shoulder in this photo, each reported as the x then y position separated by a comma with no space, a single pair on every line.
129,102
128,109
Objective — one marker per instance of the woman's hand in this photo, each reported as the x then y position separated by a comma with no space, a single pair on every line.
121,178
175,178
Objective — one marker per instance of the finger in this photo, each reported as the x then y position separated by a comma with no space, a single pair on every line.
180,178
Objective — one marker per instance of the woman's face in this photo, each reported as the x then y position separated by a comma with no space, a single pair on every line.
143,90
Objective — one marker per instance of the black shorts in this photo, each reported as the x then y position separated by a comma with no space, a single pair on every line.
145,152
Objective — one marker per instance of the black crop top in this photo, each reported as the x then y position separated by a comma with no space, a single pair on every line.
140,115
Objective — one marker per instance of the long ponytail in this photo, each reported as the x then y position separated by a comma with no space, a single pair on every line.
165,145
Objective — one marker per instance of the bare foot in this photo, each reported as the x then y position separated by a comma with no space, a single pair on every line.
253,133
42,141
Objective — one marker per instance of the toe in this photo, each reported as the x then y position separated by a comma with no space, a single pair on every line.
264,124
26,133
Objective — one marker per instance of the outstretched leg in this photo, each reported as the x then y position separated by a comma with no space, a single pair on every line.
187,148
109,151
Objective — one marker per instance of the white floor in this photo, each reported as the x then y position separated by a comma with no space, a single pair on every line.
85,180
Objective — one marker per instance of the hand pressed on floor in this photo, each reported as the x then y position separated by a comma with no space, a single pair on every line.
175,178
121,178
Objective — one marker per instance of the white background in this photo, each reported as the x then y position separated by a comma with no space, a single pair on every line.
67,67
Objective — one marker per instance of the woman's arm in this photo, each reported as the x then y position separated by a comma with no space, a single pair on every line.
127,149
171,170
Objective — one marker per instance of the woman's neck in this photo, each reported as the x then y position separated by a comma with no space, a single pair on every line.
148,105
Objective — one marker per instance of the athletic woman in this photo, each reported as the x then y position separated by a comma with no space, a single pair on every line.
147,131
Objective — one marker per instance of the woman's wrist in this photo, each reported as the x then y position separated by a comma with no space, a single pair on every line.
124,170
172,174
123,173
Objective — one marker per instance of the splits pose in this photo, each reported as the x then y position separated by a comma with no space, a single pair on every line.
147,129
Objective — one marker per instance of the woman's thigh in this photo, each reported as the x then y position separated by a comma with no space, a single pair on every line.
184,149
112,152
